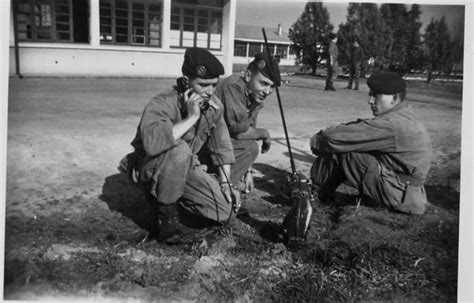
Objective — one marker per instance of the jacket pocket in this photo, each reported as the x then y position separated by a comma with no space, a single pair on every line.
393,187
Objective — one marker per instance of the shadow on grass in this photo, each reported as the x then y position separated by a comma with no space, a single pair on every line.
297,153
443,196
270,182
129,199
133,202
136,203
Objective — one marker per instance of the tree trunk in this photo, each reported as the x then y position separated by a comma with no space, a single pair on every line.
313,68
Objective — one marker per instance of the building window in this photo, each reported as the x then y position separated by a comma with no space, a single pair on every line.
196,23
255,48
240,49
131,22
292,51
52,20
282,51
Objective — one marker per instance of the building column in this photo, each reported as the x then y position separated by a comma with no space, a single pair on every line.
247,50
12,34
166,25
228,34
94,23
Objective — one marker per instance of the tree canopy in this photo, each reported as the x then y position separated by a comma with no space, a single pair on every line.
309,33
437,48
366,25
389,36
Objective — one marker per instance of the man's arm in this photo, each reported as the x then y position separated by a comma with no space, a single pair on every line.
193,105
224,173
365,135
230,193
253,133
256,134
219,144
156,126
158,133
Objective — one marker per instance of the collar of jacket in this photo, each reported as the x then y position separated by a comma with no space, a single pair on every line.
397,107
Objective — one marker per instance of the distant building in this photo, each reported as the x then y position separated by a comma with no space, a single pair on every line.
249,40
116,37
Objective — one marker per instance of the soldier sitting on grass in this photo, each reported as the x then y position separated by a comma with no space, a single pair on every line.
387,158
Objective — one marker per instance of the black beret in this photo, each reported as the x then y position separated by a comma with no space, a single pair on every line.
267,66
201,63
386,83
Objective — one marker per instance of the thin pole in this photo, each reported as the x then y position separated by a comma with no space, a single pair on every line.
15,37
292,162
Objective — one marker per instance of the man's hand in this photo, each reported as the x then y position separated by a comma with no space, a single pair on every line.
193,103
314,144
266,140
248,180
266,145
231,195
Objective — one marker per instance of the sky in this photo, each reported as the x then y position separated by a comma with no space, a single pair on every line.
273,12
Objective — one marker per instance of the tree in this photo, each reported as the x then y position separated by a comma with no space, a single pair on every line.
404,50
437,48
365,24
457,47
395,16
308,34
415,59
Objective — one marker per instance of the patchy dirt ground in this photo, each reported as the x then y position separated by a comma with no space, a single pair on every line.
73,222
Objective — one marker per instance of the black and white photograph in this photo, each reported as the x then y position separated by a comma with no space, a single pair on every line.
236,151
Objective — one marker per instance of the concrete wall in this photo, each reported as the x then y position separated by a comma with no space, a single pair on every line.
121,62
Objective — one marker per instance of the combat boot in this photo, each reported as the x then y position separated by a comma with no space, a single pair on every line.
169,229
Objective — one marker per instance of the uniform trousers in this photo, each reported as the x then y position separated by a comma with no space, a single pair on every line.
331,76
191,180
365,173
354,74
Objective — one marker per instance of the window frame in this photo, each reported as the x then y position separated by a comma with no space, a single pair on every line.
133,31
31,20
180,21
240,49
253,48
282,50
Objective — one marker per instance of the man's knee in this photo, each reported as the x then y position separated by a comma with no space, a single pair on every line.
253,150
219,211
358,161
322,168
179,153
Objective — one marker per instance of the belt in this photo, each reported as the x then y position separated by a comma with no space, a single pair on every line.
411,180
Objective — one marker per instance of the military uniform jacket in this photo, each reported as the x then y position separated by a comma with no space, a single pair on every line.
357,54
333,52
154,134
396,138
240,111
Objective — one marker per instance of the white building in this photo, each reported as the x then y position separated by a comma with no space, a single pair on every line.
144,38
249,41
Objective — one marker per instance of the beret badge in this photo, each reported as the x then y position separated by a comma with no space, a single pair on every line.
261,64
201,70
